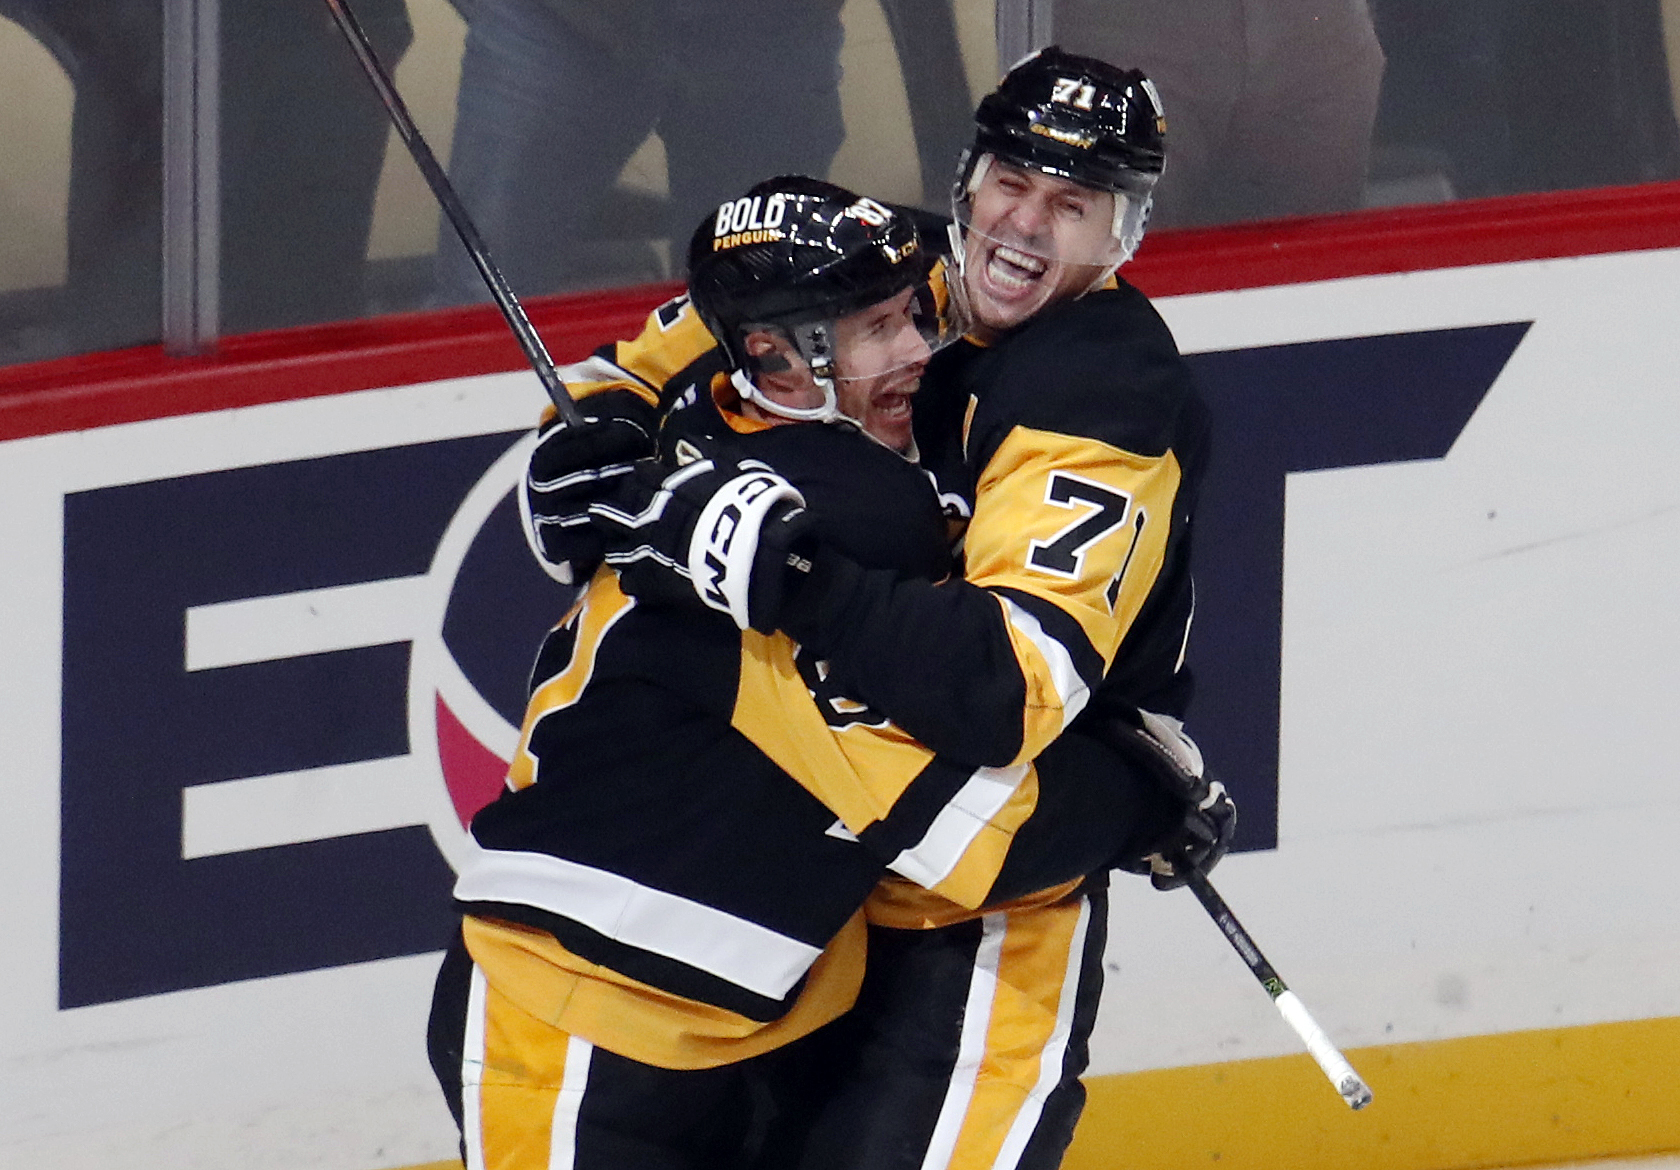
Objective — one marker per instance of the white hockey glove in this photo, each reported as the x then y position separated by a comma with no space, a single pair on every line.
1208,816
716,530
571,467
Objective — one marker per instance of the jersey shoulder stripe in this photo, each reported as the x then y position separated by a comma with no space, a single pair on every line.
673,350
598,373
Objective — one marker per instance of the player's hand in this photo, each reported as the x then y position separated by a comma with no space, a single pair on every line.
1198,841
1207,817
717,530
572,466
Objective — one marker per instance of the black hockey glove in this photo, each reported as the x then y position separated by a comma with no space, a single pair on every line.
724,532
1198,842
571,467
1208,816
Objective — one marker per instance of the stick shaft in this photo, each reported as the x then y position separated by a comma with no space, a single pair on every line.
512,311
1329,1058
1235,934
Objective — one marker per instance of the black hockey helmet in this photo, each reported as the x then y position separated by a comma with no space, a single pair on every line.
1077,117
798,253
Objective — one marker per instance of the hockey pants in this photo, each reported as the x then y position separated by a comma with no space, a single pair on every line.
963,1052
528,1096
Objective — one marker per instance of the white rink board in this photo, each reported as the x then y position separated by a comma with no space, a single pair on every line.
324,1069
1475,749
1481,658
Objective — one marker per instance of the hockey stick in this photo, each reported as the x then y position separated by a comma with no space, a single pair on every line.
1353,1090
535,352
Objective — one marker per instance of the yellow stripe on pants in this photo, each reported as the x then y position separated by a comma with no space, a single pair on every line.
1015,1033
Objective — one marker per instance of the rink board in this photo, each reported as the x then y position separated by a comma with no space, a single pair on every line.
251,689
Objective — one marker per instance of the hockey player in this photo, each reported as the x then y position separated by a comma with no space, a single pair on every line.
1068,430
658,908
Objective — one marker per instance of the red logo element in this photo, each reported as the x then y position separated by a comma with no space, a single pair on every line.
473,773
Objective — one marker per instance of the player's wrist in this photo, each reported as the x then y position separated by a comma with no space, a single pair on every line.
817,595
786,544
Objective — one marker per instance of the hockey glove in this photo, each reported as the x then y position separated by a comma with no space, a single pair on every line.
1198,841
571,467
1208,817
724,532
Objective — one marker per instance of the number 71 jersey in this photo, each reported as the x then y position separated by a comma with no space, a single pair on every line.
1077,445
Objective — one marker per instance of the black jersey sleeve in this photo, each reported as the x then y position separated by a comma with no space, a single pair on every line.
1094,808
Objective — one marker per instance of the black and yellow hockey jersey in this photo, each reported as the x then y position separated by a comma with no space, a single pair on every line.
1076,444
1074,448
653,880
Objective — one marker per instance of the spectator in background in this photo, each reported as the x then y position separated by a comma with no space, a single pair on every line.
556,95
924,35
1488,91
303,145
303,141
112,53
1269,103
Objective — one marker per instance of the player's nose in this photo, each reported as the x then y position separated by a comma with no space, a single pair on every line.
1029,216
914,349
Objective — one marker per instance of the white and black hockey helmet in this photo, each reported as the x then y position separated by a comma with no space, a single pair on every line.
1078,118
795,254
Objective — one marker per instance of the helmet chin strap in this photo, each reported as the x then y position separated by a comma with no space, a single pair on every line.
829,411
813,342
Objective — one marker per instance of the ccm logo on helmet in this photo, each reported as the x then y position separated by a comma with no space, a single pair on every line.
897,255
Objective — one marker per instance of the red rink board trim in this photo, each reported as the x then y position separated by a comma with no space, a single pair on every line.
101,389
131,385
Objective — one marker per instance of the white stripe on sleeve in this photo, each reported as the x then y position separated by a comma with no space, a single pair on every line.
931,860
704,937
1071,688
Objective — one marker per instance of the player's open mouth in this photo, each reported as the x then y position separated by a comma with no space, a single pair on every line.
894,404
1012,272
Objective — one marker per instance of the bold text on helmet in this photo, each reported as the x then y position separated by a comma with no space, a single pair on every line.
750,214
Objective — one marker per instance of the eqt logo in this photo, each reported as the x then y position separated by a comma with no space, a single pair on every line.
284,688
